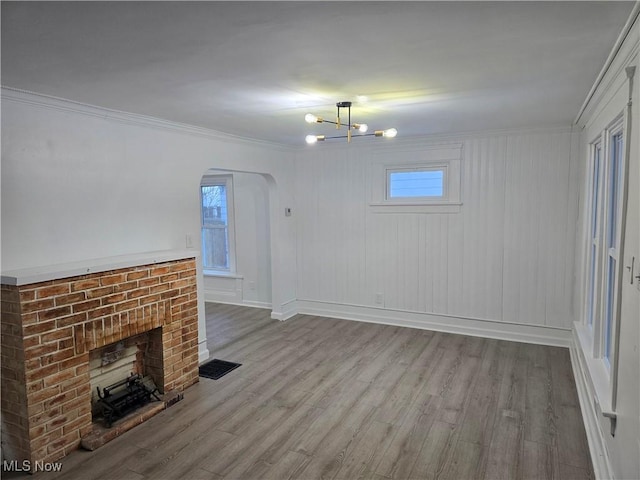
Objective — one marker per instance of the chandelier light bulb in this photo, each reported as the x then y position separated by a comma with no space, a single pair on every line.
363,127
311,118
311,139
390,133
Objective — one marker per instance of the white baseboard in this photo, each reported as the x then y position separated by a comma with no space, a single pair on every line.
217,296
465,326
287,310
233,300
253,304
229,290
203,352
597,446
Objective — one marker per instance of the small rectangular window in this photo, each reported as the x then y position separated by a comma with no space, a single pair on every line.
423,179
416,183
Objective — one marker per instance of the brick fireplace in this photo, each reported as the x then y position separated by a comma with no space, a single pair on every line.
50,325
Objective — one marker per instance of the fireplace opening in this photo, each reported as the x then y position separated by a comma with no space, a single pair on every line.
124,377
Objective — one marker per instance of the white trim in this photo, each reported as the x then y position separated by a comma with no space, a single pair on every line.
614,54
203,351
287,310
219,274
536,334
589,407
127,118
434,207
256,304
593,366
242,303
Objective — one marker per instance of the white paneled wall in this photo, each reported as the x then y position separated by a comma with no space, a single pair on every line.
506,256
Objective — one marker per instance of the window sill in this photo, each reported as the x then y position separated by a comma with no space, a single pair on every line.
596,369
416,207
219,273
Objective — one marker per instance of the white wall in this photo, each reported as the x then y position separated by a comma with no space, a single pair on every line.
614,456
80,182
503,265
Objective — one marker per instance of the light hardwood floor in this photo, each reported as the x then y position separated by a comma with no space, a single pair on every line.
319,398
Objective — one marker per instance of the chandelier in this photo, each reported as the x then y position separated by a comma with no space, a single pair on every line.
359,127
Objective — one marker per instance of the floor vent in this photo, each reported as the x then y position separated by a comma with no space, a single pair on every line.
216,369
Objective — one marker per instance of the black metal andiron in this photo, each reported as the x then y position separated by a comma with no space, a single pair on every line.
123,397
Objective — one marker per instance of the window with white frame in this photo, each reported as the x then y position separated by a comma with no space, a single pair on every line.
218,243
604,226
612,238
416,180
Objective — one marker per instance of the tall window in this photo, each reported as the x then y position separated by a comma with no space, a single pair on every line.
594,237
604,227
612,229
217,223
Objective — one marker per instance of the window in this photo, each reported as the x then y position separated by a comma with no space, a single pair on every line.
603,235
416,180
594,236
216,195
612,240
425,183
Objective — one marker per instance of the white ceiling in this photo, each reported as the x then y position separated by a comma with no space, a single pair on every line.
255,68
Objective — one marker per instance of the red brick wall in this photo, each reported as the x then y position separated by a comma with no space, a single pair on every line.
49,328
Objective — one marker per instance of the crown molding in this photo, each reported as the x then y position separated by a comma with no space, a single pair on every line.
426,140
620,56
63,104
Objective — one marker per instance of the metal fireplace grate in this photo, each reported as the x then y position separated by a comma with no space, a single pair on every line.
216,369
123,397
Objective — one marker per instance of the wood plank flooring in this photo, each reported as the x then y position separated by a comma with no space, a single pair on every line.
319,398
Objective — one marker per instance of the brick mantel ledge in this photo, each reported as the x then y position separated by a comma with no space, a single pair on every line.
44,273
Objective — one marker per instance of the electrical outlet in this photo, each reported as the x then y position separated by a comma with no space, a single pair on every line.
189,240
252,285
379,298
